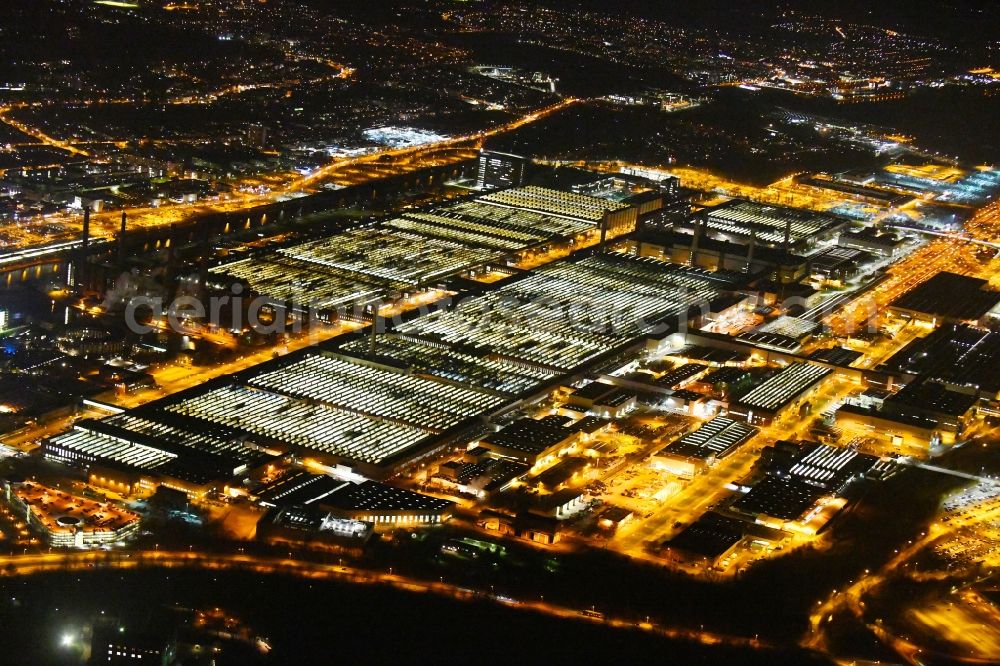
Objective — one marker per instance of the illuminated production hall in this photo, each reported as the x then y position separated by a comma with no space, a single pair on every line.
377,504
803,485
385,260
787,389
696,451
568,313
315,404
770,226
430,381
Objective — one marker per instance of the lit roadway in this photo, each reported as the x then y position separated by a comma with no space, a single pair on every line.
687,504
952,234
19,565
274,187
851,599
172,378
415,151
939,255
40,135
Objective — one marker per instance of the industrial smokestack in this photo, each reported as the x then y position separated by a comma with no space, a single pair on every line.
85,241
203,253
604,229
121,240
788,233
172,244
753,245
695,240
374,340
170,269
80,279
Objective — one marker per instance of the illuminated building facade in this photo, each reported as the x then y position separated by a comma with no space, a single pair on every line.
500,170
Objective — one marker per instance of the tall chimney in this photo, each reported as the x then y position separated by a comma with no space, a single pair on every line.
85,241
753,244
203,254
374,339
604,229
788,233
170,268
695,240
121,241
81,269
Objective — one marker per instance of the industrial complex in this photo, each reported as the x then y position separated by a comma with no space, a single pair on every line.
554,326
671,332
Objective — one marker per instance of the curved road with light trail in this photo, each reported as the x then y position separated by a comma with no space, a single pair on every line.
34,563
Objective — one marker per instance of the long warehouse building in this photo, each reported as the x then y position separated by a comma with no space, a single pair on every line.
386,260
771,399
432,380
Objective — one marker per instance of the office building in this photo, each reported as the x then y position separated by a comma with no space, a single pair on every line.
500,170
